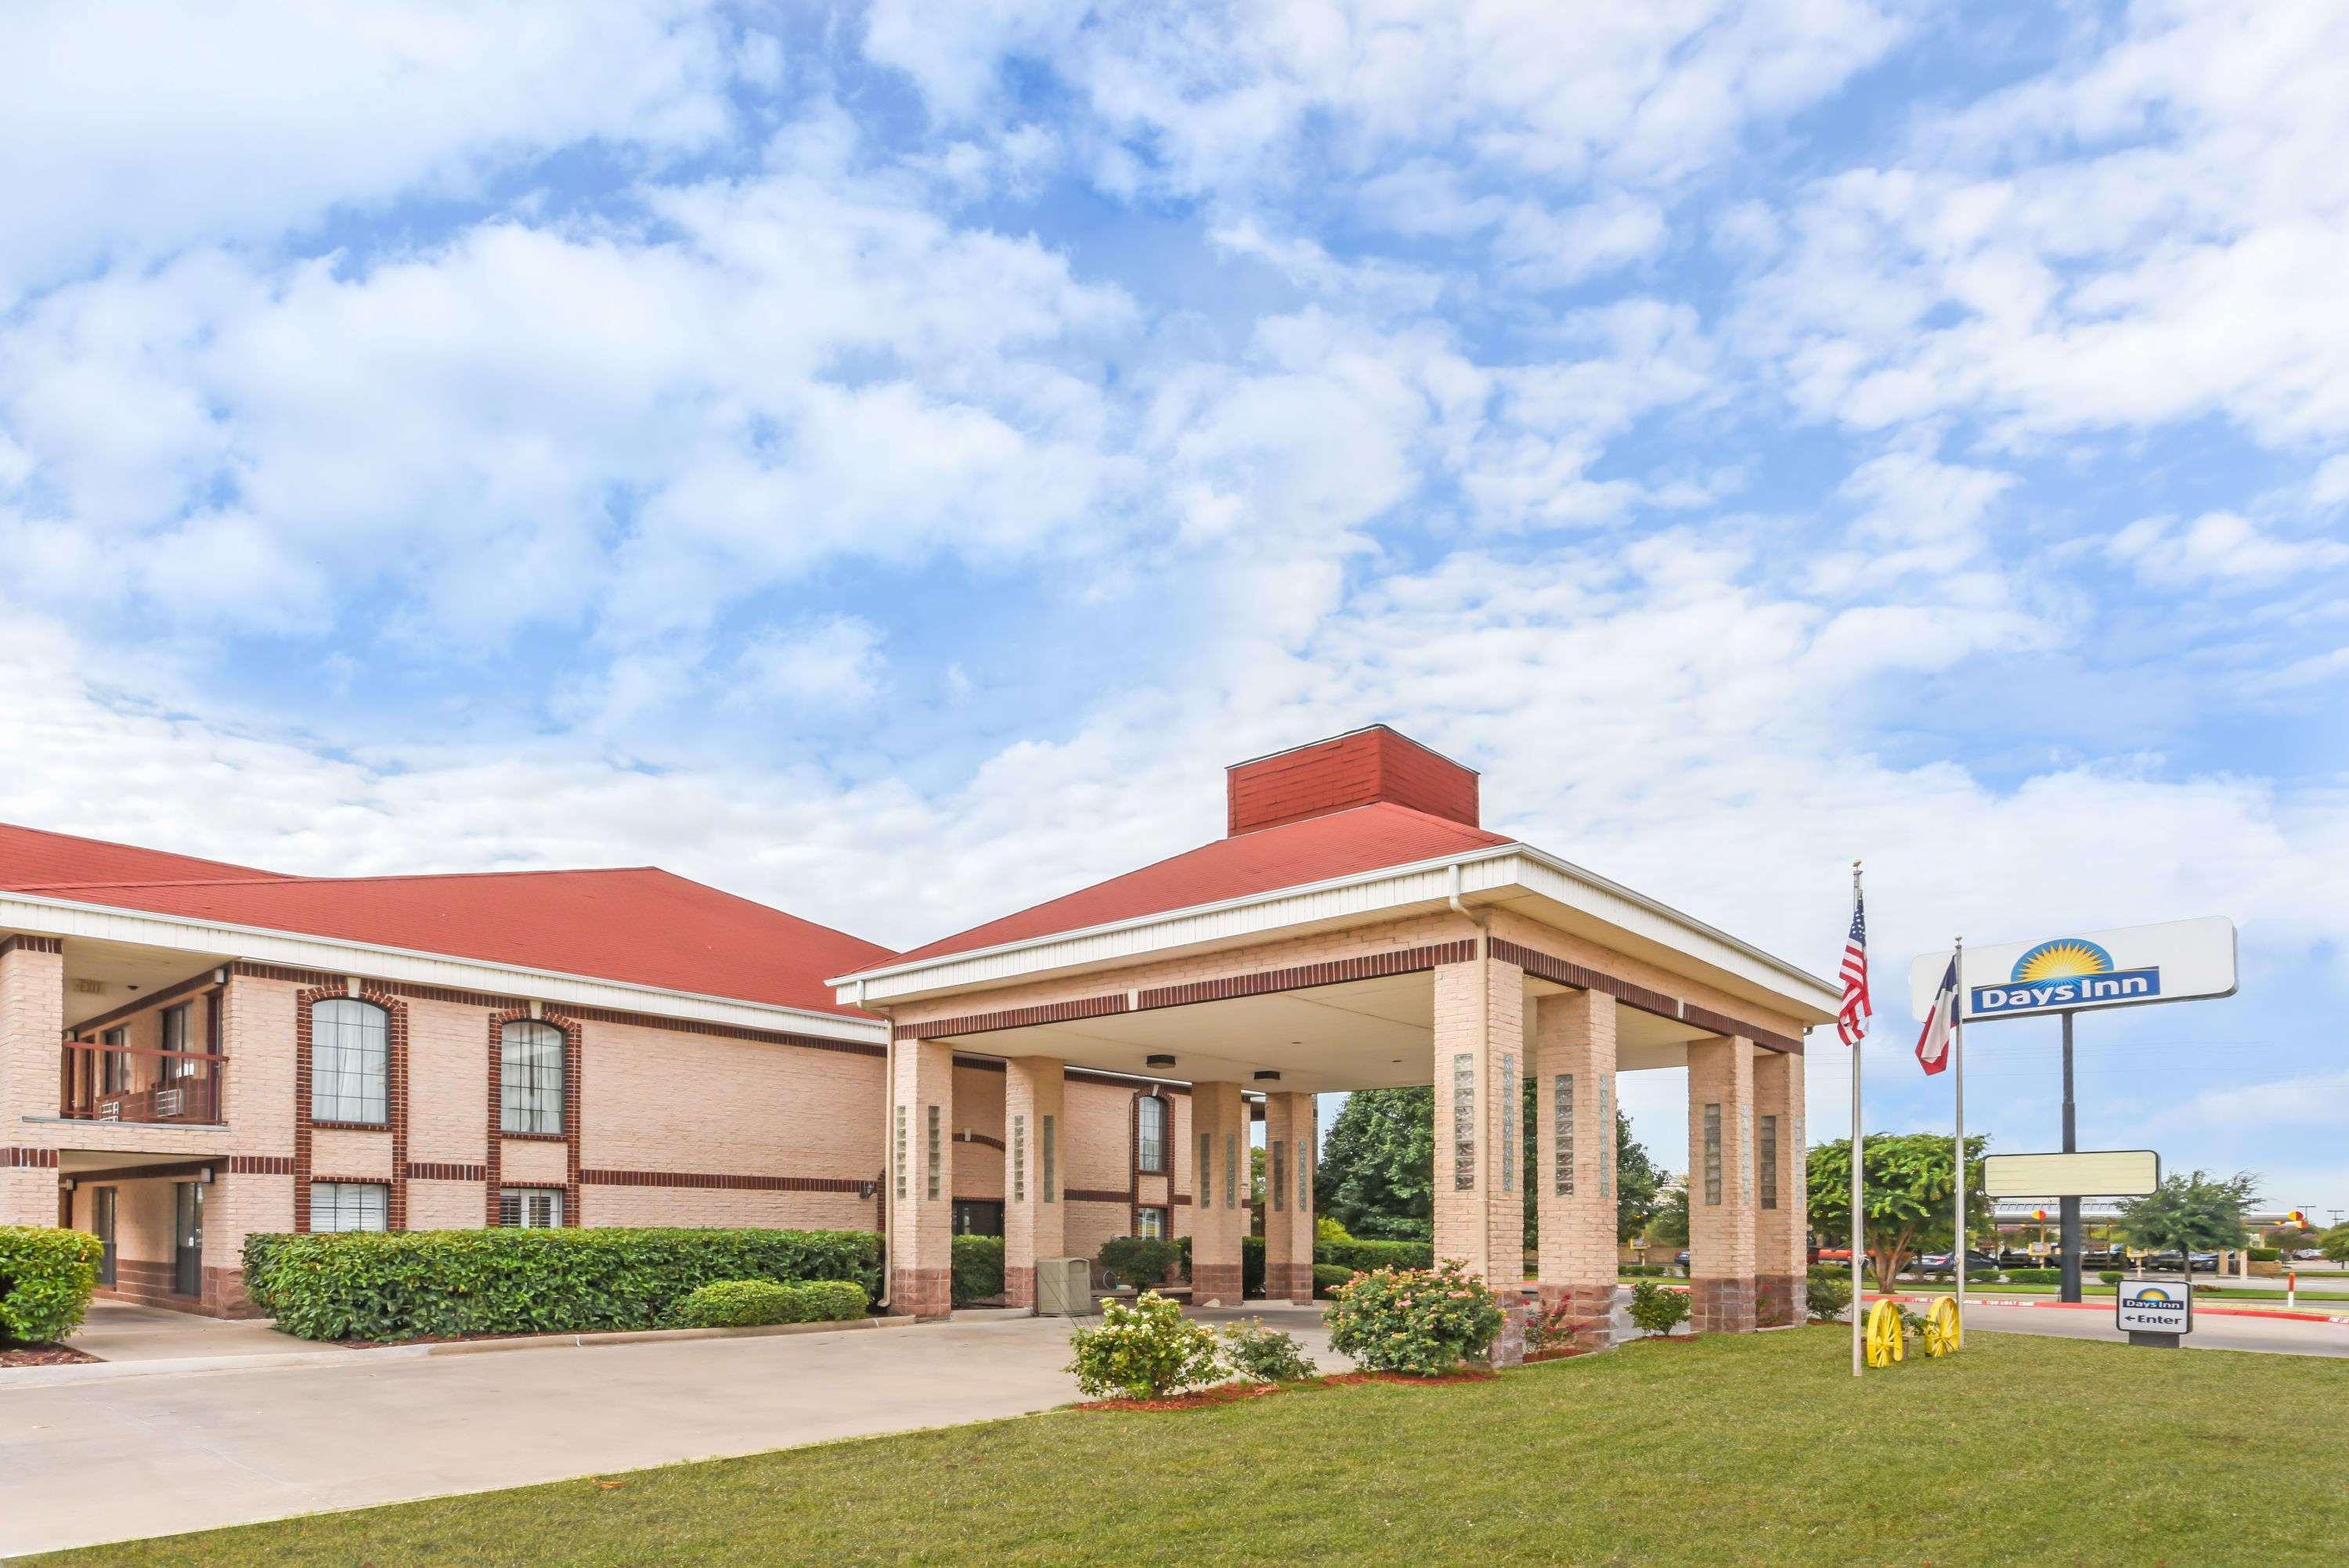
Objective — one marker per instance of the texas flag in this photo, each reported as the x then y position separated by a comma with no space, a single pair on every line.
1933,1045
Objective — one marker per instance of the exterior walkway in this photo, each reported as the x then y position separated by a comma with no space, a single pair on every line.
193,1451
121,1331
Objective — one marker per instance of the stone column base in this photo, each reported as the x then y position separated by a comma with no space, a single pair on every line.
1780,1299
1509,1345
1216,1283
927,1294
1294,1280
1586,1311
1720,1306
1019,1286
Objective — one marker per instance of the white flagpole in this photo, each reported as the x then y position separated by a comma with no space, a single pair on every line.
1958,1049
1858,1296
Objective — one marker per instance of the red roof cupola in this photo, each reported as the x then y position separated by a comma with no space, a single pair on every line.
1359,768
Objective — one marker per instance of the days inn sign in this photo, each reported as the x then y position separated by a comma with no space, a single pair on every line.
2176,961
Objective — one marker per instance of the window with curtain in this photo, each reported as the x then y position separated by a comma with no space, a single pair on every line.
529,1076
351,1061
349,1206
1149,1133
175,1038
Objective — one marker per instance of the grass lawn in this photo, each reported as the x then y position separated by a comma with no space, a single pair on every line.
1748,1450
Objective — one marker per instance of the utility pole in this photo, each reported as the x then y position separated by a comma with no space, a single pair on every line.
2069,1235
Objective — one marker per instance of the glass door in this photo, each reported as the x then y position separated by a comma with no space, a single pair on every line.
188,1254
101,1205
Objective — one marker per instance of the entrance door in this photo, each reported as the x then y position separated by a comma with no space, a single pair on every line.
188,1252
977,1217
101,1203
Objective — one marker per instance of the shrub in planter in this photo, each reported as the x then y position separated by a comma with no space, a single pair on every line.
1828,1297
1144,1350
1426,1321
978,1268
751,1303
1656,1309
1266,1354
1329,1277
47,1278
1138,1261
2265,1255
409,1283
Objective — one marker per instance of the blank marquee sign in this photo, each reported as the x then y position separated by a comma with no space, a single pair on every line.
2090,1173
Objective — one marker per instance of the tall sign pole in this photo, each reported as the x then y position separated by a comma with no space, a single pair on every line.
2068,1233
1859,1294
1958,1049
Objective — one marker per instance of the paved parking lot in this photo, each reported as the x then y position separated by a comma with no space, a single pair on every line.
189,1452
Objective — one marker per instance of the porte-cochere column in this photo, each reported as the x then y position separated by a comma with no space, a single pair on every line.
1720,1185
1032,1223
1289,1154
921,1195
1574,1105
1479,1062
1780,1283
1219,1201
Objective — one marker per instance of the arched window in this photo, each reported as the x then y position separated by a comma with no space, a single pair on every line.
529,1076
1149,1133
351,1061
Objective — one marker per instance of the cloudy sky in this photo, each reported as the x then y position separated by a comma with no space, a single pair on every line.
884,459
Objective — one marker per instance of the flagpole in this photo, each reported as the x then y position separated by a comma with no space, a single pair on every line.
1858,1296
1958,1049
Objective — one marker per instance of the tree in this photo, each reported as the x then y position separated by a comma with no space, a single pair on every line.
1668,1222
2336,1245
1910,1192
2189,1213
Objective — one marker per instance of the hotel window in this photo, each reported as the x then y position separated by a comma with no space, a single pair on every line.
1149,1224
530,1207
529,1076
114,1066
349,1206
1149,1133
175,1038
349,1061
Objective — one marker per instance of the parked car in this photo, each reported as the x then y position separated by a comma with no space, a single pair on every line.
1977,1262
2309,1254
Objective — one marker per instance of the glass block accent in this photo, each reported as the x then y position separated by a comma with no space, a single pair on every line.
1304,1175
1279,1182
1561,1133
1511,1092
1231,1170
1769,1141
1713,1155
1202,1180
1463,1121
1019,1158
1606,1134
901,1154
1048,1191
937,1151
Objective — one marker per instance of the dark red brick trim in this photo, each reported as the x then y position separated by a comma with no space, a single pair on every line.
118,1173
26,943
1560,971
493,1158
1096,1195
25,1157
982,1138
443,1170
1015,1017
724,1182
395,1097
261,1165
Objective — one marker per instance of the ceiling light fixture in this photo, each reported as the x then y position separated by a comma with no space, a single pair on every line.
1157,1060
1268,1077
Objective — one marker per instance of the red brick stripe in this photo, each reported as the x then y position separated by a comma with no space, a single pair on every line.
261,1165
1096,1195
23,943
1015,1017
1545,967
24,1157
442,1170
719,1180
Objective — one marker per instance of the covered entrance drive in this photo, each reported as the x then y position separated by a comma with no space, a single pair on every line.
1370,935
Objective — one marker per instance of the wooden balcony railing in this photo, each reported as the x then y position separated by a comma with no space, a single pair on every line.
149,1086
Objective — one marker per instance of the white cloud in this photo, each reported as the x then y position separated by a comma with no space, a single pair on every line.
836,663
2219,549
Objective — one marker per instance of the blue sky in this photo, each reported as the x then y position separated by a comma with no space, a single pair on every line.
885,459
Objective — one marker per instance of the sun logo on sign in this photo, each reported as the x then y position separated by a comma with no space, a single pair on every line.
2061,958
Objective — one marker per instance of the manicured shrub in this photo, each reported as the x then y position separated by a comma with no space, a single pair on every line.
978,1269
752,1302
2110,1276
1329,1277
1142,1351
1657,1309
2266,1255
1550,1330
1638,1270
1365,1256
412,1284
1828,1297
1266,1354
47,1278
1138,1261
2034,1276
1426,1321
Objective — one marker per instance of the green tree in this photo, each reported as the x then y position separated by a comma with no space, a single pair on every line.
2189,1213
1910,1192
2336,1245
1668,1222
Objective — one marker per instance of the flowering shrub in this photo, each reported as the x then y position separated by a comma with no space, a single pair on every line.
1426,1321
1657,1309
1551,1330
1144,1351
1266,1354
1829,1295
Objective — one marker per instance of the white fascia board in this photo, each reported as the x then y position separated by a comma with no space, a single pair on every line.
1363,896
338,955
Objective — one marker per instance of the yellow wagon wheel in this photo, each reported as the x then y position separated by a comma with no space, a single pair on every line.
1886,1340
1943,1333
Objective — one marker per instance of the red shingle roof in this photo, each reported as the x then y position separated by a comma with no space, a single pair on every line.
639,924
1344,844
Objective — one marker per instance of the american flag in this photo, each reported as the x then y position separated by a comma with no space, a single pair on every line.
1851,1018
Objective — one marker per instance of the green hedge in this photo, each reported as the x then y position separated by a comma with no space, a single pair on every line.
2258,1254
413,1283
1368,1255
754,1303
1140,1262
1328,1277
2034,1276
47,1276
978,1269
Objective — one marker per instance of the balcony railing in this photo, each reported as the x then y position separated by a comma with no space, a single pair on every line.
133,1084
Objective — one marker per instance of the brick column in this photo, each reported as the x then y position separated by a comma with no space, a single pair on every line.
921,1191
1479,1203
1290,1145
1219,1212
1032,1223
1780,1216
32,1027
1720,1185
1574,1106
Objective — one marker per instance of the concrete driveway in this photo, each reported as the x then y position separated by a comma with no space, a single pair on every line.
122,1457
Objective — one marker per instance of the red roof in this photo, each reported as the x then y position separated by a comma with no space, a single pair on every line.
1343,843
638,923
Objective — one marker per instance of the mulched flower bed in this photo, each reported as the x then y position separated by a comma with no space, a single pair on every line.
1338,1381
44,1355
1221,1394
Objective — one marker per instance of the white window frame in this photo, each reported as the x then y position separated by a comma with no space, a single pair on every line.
529,1208
343,1206
528,1100
350,1062
1145,1141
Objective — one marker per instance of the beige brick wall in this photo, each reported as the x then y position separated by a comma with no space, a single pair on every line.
1574,1037
1034,1216
1480,1056
32,1021
1720,1232
1780,1234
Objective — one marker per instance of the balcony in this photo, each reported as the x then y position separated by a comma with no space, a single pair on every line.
134,1084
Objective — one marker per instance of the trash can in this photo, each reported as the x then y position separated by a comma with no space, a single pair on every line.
1063,1288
